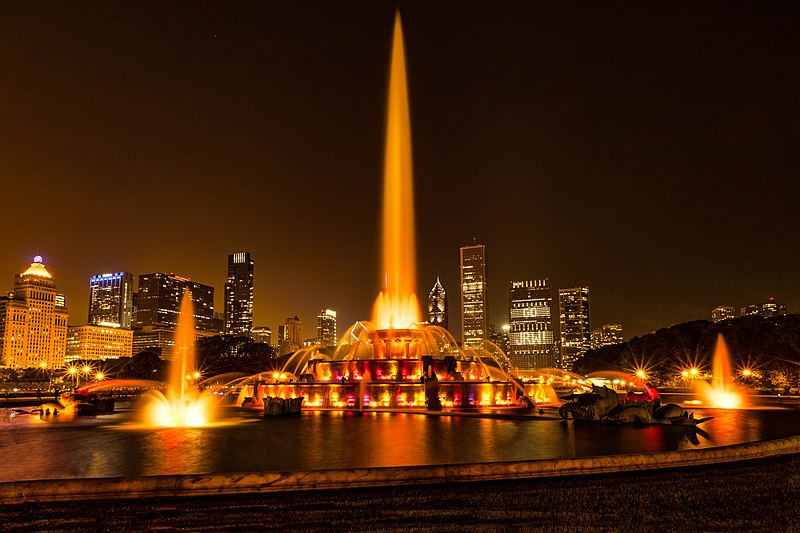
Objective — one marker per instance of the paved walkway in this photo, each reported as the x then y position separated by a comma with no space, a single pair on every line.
759,495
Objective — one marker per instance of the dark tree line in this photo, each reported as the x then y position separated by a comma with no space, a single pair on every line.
769,345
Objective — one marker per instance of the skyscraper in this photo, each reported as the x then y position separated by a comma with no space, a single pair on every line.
239,294
437,305
474,301
576,335
159,301
290,335
606,335
531,333
326,327
158,307
33,324
111,300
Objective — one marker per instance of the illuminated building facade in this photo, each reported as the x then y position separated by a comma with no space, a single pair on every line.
437,305
576,336
606,335
474,301
290,335
111,299
158,306
722,312
33,324
239,294
765,310
531,334
98,342
326,328
261,334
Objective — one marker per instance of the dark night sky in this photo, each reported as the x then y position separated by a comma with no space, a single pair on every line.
650,152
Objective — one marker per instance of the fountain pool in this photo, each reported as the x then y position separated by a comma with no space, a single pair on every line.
111,446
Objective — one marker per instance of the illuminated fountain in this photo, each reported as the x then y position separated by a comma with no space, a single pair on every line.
394,361
182,404
722,391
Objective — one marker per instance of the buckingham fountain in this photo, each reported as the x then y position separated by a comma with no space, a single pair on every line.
394,360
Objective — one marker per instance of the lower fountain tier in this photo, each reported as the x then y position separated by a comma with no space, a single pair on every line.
398,394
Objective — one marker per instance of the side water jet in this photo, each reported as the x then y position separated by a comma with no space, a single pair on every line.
722,391
181,404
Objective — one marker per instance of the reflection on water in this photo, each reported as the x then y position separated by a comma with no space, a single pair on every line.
99,447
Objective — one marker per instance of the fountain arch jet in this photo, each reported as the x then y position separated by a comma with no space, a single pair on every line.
395,360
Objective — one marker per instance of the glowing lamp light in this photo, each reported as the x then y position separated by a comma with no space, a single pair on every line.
693,371
37,259
640,374
747,372
100,376
73,370
43,364
685,373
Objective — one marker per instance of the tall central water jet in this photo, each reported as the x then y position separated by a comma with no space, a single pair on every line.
397,305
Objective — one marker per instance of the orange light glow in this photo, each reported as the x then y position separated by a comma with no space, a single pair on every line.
397,305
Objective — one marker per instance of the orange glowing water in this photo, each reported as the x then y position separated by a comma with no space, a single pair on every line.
397,305
722,392
182,405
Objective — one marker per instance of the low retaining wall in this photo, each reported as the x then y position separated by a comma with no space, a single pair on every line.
253,482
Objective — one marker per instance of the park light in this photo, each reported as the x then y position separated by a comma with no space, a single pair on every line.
73,370
100,376
43,365
693,371
685,373
196,375
747,372
640,374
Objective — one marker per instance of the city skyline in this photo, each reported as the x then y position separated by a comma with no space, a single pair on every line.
672,163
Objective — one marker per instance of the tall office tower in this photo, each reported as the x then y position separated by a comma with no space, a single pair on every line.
239,294
290,335
326,328
33,326
474,301
576,335
111,300
158,307
531,334
606,335
722,312
437,305
261,334
159,301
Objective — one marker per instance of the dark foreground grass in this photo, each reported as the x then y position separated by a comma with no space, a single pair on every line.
754,496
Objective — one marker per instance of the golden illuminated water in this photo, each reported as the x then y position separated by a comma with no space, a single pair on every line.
722,392
397,305
182,405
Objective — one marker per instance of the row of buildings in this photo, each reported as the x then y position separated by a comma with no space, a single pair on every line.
529,338
124,319
767,309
